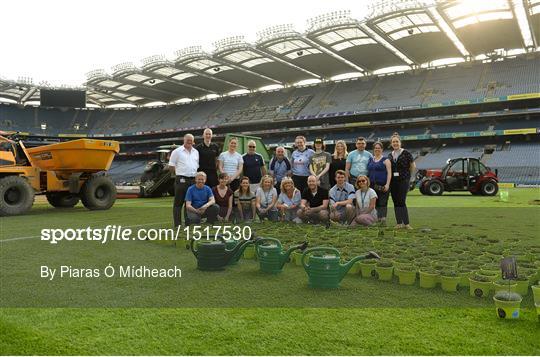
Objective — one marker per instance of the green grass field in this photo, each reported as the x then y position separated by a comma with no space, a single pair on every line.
243,311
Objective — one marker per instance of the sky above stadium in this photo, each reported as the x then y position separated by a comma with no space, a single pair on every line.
58,41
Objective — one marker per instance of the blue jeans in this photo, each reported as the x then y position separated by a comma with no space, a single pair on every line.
290,214
272,215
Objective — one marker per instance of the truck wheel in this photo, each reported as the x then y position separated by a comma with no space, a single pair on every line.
489,188
435,188
98,193
16,196
422,189
62,199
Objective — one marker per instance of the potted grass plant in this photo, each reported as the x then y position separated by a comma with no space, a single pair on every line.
367,267
489,275
406,274
449,261
450,280
296,258
464,274
507,304
355,269
522,284
480,285
398,262
249,252
384,269
429,278
536,292
491,270
504,285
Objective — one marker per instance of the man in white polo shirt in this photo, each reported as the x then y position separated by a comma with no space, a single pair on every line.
184,162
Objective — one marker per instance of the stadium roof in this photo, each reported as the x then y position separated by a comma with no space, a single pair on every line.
406,33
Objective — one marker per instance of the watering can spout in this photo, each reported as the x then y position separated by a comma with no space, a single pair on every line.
344,268
285,255
371,255
235,253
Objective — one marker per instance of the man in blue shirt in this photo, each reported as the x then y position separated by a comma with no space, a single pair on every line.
200,201
280,167
253,167
341,200
357,161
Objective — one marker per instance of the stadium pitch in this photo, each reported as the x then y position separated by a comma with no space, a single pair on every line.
242,311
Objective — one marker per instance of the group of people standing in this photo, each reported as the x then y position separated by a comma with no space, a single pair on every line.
312,186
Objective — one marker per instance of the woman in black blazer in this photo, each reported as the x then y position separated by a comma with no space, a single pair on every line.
402,168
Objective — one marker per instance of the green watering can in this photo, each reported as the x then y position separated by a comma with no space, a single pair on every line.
325,270
214,255
271,255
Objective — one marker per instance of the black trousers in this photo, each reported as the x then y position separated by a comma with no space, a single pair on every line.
210,214
181,185
234,184
382,203
211,177
399,189
278,187
300,182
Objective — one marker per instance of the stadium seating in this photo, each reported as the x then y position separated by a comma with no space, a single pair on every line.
516,162
516,76
438,157
421,87
126,171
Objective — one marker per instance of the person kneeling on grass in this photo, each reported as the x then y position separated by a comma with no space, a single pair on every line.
341,199
224,198
200,202
288,201
366,198
266,199
245,201
314,205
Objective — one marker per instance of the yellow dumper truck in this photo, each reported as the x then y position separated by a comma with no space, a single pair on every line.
65,172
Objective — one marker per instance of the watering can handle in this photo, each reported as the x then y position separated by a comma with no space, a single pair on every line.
196,251
192,247
259,241
317,249
220,237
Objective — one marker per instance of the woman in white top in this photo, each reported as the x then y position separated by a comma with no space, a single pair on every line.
366,198
266,199
231,163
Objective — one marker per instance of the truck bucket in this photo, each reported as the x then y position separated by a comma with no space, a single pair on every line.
82,155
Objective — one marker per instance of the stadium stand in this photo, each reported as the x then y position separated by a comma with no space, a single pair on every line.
517,162
439,156
454,83
126,171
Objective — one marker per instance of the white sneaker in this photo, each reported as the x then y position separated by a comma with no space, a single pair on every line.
297,220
